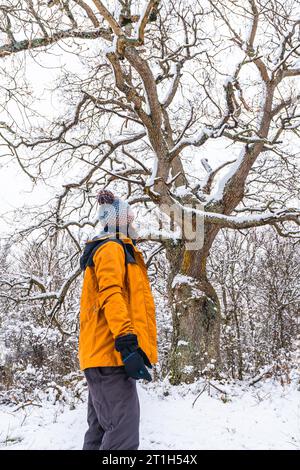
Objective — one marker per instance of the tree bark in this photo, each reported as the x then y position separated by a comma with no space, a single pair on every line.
196,316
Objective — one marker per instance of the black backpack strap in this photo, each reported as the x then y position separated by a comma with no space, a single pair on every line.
129,252
91,247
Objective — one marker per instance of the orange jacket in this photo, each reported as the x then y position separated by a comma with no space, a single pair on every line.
116,299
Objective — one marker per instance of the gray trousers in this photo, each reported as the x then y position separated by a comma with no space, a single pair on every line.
113,410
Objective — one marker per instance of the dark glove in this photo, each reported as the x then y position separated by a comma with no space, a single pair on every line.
133,357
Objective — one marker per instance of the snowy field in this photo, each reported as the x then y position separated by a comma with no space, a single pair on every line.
266,416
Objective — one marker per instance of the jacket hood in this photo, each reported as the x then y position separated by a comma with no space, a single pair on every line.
117,236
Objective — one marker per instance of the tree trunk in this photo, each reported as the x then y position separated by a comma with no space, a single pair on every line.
196,316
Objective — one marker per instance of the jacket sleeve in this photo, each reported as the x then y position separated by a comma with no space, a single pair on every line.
109,261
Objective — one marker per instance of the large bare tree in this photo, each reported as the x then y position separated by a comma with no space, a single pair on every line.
156,87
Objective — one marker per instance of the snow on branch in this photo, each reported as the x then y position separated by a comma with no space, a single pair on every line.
175,74
211,174
28,44
223,184
199,139
144,18
247,221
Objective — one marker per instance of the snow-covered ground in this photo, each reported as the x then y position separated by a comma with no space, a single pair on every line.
266,416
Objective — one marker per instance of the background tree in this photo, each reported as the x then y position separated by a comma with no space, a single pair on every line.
155,88
256,275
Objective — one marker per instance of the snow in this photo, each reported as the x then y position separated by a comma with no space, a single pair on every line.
181,191
117,11
174,73
150,180
115,140
217,193
3,351
181,342
112,48
139,23
205,132
249,218
147,108
156,234
266,416
183,279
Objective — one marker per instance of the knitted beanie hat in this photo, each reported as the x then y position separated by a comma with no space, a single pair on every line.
113,211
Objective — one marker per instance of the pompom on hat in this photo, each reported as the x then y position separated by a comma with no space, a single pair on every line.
105,197
113,211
